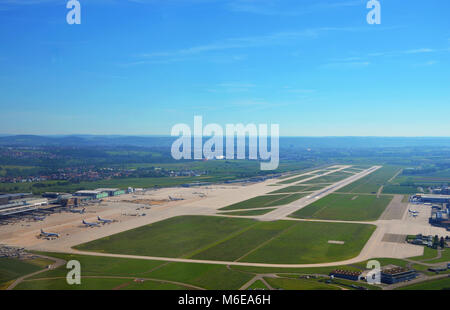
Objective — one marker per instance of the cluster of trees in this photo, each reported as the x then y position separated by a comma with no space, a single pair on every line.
438,242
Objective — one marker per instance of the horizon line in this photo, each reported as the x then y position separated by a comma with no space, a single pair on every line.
169,136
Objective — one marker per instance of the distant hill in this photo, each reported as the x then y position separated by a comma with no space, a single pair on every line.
166,141
75,140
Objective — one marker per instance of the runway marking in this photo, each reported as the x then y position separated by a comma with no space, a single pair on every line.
336,242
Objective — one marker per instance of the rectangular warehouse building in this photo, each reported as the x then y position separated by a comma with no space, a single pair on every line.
7,198
394,274
432,198
92,194
346,274
111,191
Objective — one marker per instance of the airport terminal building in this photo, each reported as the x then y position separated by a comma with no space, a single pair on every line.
432,198
393,274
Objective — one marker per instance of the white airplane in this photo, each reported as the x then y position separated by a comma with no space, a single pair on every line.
413,212
175,199
48,235
104,221
90,224
78,210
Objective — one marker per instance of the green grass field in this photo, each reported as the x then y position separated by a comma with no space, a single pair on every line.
349,207
440,284
175,237
218,238
11,269
331,178
265,201
249,213
298,188
428,253
200,275
203,275
296,273
119,273
293,180
296,282
371,183
307,243
429,256
257,285
399,189
292,272
98,284
299,284
444,258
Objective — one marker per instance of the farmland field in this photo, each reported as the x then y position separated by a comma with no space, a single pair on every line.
217,238
412,181
349,207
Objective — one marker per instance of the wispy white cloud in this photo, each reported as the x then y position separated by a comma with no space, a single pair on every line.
408,52
233,87
299,90
235,43
343,65
278,38
426,64
288,7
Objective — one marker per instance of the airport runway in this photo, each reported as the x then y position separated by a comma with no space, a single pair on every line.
284,211
394,221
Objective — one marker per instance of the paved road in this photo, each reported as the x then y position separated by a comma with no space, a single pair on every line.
259,277
422,278
130,278
354,260
58,263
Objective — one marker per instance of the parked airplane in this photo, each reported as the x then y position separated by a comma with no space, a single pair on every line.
413,212
104,221
175,199
39,218
90,224
48,235
78,210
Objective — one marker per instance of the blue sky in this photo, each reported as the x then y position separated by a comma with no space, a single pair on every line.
314,67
